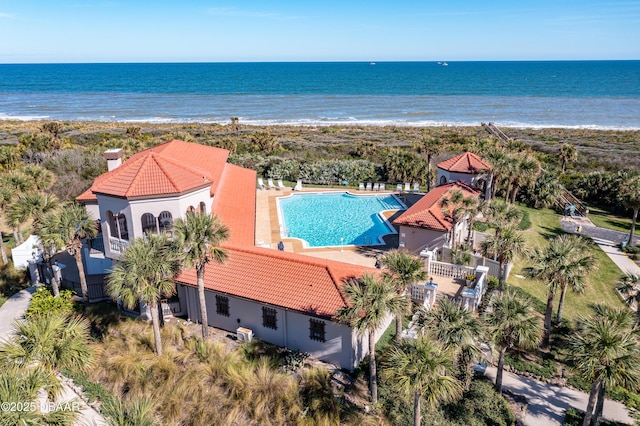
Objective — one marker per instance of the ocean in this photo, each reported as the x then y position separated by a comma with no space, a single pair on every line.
573,94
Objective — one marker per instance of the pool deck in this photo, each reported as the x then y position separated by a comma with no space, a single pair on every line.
268,228
268,235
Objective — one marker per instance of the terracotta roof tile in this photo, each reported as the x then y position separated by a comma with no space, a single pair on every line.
235,203
170,168
426,213
284,279
467,162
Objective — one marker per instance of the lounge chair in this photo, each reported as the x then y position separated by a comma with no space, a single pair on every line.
382,187
298,186
361,187
376,186
260,183
399,187
416,187
281,185
270,183
407,187
368,186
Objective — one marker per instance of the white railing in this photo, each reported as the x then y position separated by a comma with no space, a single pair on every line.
449,270
117,245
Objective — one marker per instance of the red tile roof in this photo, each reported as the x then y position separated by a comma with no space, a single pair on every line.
284,279
235,203
170,168
467,162
426,212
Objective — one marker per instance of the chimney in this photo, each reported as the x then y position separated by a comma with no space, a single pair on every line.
113,157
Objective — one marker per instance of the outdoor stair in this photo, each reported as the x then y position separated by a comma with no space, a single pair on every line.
565,198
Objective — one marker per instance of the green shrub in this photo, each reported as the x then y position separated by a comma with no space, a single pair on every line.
43,303
574,417
545,368
492,283
480,226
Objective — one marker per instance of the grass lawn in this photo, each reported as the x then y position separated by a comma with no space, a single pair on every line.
605,219
600,283
2,300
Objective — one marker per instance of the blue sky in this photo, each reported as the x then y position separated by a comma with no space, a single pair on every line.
306,30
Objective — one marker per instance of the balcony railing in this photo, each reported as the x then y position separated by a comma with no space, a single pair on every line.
117,245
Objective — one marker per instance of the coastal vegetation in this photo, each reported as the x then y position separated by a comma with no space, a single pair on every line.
173,372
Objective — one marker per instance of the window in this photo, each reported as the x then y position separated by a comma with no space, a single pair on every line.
222,305
443,180
269,319
316,330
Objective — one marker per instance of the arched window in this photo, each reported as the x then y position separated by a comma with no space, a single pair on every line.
443,180
203,207
191,209
149,224
118,225
164,220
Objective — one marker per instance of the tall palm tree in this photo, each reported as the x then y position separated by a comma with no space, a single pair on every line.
6,195
144,274
506,247
629,286
455,206
568,153
30,205
422,369
526,172
629,194
404,269
563,264
198,236
429,147
457,329
67,228
512,324
605,350
370,301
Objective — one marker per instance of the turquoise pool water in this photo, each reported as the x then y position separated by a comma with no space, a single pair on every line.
336,218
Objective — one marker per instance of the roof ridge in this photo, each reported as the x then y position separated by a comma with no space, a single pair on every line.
143,160
168,175
335,284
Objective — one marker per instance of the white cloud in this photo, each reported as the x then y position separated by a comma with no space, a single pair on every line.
7,15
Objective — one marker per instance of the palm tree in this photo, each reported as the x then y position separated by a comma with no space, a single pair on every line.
30,205
512,324
53,342
606,351
526,171
198,237
370,301
455,206
144,275
429,147
67,228
629,286
506,247
563,264
629,194
404,269
6,195
568,153
422,369
457,329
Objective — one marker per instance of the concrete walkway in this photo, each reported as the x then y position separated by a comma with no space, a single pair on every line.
13,310
547,403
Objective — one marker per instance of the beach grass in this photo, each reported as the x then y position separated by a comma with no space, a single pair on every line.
601,282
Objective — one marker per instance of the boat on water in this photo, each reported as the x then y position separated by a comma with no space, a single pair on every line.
372,63
444,64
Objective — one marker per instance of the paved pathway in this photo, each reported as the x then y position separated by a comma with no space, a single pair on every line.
13,310
590,230
547,403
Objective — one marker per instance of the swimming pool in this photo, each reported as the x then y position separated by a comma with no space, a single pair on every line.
336,218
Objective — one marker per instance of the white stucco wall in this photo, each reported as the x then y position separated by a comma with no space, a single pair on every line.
342,346
415,239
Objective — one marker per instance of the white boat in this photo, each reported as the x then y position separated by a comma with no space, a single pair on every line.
372,63
444,64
